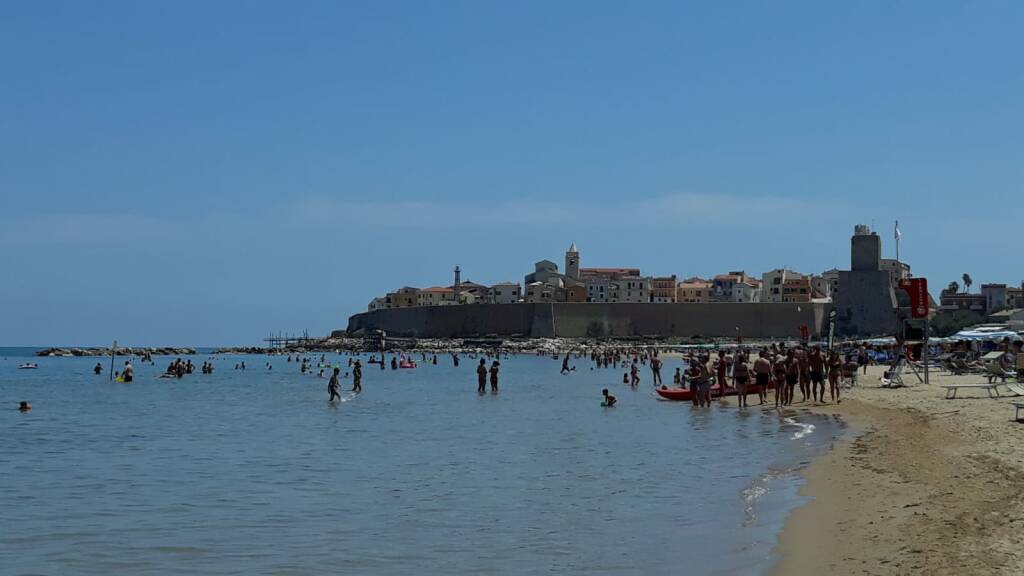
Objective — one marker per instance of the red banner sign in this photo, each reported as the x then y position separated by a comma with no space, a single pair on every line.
918,290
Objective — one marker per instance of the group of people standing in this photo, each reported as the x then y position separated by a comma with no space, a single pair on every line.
481,376
777,367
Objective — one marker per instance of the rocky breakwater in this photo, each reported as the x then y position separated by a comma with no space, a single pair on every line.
167,351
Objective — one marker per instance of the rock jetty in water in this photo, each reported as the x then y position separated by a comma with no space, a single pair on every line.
119,352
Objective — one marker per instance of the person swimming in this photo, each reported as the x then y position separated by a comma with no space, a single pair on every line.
608,400
24,406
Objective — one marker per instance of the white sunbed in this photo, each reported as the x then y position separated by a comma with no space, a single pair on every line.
1017,389
990,387
1018,406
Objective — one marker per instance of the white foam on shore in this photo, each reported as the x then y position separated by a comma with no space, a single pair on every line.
805,429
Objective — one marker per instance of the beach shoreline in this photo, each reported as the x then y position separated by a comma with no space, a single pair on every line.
923,486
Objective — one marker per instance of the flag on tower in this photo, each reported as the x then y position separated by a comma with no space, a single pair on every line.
898,233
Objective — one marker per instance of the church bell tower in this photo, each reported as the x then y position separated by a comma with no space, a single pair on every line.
572,262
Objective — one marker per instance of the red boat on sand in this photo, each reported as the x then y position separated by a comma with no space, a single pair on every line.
685,395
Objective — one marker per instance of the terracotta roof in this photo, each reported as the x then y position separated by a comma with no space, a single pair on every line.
694,285
437,289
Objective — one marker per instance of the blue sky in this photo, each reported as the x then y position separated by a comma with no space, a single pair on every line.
202,173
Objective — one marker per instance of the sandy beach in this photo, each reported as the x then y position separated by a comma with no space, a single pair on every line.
926,486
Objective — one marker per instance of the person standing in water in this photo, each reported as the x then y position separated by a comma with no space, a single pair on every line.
494,375
740,377
357,377
333,385
656,370
129,372
565,364
481,376
98,369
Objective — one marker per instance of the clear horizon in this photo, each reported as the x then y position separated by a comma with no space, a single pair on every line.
203,175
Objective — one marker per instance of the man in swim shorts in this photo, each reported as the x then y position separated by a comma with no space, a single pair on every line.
762,375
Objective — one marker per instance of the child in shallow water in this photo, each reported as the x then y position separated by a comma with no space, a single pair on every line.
609,400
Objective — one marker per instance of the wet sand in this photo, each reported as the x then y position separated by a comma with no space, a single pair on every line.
929,486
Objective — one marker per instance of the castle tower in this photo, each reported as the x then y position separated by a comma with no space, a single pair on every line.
866,249
572,262
865,302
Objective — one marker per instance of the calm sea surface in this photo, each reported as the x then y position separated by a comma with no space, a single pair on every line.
254,472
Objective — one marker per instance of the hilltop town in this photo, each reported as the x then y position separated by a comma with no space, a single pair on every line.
629,285
862,300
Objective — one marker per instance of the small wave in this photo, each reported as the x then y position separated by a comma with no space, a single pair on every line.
804,430
753,493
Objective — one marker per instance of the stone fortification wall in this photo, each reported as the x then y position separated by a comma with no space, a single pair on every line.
568,320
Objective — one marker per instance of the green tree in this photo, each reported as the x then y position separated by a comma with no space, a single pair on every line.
953,287
949,323
967,282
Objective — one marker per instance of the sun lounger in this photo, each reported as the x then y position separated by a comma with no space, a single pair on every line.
1017,389
893,377
997,366
1019,406
990,387
960,366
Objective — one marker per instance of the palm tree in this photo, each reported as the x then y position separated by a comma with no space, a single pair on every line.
953,287
967,282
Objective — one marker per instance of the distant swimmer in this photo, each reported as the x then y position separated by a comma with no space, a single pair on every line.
24,406
333,386
608,400
481,376
98,369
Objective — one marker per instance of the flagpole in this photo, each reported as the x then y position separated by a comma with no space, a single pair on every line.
898,274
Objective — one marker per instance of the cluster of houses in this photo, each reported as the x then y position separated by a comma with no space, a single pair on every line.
993,298
578,284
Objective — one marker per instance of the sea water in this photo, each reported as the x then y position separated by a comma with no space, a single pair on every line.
255,472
